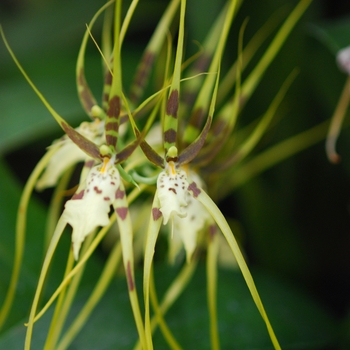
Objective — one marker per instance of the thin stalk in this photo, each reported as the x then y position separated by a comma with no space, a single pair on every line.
226,230
58,323
49,339
108,273
52,247
172,294
21,233
212,282
55,206
170,339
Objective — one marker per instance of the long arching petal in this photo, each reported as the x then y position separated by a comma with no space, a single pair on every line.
215,212
152,234
126,237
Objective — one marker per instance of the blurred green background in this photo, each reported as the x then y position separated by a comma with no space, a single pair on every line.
295,216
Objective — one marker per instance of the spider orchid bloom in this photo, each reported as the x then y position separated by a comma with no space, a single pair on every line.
176,189
196,220
188,216
90,206
180,194
95,143
100,186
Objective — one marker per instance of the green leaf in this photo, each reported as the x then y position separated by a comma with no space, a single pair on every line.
50,62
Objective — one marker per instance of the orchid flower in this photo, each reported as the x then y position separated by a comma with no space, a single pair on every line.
175,187
101,185
94,143
196,138
179,184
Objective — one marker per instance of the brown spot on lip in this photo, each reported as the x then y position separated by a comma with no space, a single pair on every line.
173,190
173,104
195,190
97,190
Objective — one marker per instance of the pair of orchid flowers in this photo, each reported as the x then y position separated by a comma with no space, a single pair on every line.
180,200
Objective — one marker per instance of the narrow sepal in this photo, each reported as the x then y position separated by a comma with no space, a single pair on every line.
82,142
152,234
190,152
85,95
126,237
151,154
216,214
